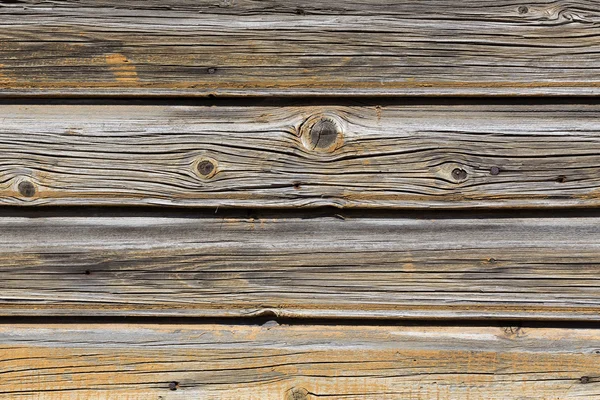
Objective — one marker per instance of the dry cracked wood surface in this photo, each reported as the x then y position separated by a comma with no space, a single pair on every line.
364,155
241,199
245,48
306,362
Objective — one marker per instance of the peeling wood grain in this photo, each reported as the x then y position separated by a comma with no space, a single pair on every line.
321,267
377,156
131,362
244,47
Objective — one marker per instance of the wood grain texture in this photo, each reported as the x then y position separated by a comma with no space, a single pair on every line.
334,48
299,267
384,156
131,362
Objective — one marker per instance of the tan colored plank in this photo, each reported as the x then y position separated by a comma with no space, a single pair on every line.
131,362
344,266
384,156
337,48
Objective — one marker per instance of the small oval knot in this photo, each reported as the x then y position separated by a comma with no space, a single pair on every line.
206,167
321,133
297,394
27,189
459,174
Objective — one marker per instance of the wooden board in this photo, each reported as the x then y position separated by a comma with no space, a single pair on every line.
365,155
343,266
131,362
335,48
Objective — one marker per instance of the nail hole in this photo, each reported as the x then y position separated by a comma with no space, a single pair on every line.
494,170
584,379
459,174
26,189
87,272
173,385
296,185
523,10
300,11
561,179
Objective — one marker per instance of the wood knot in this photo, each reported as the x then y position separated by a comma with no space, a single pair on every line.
523,10
584,379
321,133
459,174
297,394
206,167
211,70
27,189
513,331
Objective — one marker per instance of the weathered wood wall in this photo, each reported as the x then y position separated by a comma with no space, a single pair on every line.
238,199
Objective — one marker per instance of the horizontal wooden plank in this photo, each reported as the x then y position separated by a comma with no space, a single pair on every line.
128,362
382,156
322,267
335,48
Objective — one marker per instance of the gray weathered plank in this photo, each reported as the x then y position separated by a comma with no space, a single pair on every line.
143,361
244,47
396,156
343,266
